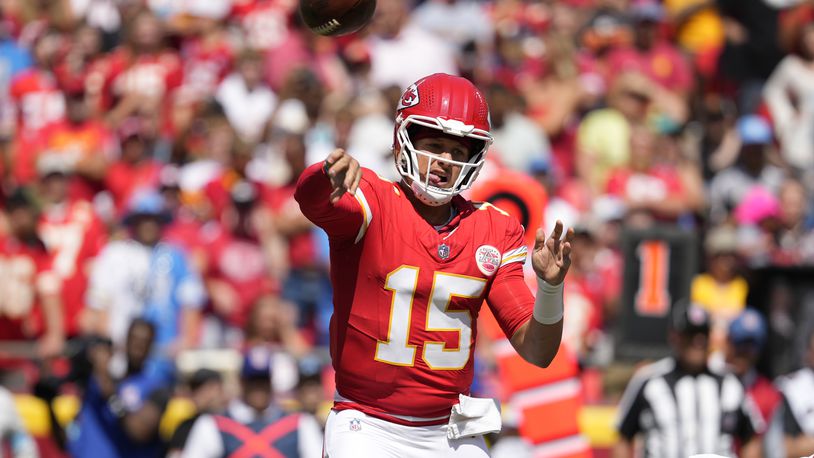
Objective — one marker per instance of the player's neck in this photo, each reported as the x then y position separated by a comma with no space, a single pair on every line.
434,215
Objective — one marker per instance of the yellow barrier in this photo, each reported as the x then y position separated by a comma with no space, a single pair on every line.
34,413
596,422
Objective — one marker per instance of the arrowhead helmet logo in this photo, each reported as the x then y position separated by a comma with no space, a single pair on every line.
409,98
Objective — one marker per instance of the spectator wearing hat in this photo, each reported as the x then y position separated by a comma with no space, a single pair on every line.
682,408
30,305
73,233
120,414
253,423
208,396
746,338
730,186
721,290
142,276
798,405
758,218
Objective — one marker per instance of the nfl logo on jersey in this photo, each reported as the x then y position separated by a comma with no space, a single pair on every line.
355,424
443,251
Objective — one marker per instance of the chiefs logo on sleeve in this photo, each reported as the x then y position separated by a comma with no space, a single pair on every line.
409,98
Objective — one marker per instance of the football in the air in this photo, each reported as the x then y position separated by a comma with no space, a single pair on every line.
336,17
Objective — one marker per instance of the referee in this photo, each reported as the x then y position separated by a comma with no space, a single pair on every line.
679,408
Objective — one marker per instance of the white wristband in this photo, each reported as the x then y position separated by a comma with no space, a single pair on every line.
548,304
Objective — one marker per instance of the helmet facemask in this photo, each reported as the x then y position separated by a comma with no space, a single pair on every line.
407,160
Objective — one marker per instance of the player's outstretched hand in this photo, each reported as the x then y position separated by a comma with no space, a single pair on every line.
344,172
551,257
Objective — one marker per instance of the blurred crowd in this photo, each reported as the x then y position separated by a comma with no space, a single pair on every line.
150,150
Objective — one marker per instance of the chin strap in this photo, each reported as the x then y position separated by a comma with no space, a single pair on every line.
428,197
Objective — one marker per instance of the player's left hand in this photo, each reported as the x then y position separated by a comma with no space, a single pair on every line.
551,258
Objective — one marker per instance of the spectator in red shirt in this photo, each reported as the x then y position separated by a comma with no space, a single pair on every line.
207,55
142,74
651,55
73,234
29,289
264,23
84,146
34,91
238,269
82,69
135,169
651,189
218,191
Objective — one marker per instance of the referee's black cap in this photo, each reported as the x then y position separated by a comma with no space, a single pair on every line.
689,318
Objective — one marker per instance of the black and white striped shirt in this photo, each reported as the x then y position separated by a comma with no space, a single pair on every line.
680,414
798,402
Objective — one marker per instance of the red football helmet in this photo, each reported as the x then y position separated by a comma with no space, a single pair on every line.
453,106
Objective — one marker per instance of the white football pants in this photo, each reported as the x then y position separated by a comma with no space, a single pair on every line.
352,434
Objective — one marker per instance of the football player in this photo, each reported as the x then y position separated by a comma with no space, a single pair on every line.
411,264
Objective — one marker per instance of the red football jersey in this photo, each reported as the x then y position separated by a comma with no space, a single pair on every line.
74,235
407,295
241,264
205,66
38,99
123,180
265,23
25,275
63,139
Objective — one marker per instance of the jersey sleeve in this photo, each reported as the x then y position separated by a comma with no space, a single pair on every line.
348,219
509,297
791,427
749,422
630,410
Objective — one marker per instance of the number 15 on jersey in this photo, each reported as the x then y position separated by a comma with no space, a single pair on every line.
403,282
